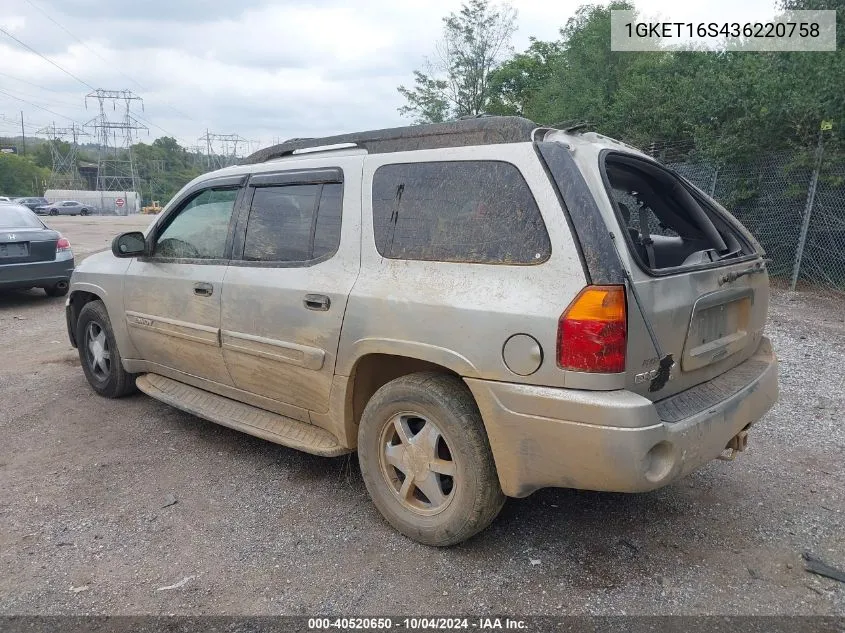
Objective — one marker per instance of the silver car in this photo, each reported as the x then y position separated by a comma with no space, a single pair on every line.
479,308
64,207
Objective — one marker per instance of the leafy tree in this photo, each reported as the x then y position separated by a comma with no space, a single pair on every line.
457,81
20,176
516,84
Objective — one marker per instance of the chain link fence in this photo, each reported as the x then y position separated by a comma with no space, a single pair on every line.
795,207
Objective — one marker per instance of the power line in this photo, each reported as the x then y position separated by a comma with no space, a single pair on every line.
103,59
67,104
24,81
45,58
85,83
39,107
66,30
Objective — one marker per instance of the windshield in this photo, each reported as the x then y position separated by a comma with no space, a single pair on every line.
15,217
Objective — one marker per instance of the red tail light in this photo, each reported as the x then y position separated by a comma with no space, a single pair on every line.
592,333
62,245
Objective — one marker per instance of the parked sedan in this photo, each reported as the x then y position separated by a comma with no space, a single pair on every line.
65,207
31,254
32,203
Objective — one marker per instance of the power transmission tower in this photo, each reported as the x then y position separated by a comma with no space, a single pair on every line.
115,166
221,150
229,143
157,169
65,172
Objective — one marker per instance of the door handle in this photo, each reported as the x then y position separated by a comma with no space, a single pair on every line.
321,303
203,289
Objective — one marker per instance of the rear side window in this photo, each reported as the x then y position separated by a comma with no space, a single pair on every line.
479,212
293,223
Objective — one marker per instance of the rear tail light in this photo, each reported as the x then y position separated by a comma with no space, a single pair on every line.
592,333
62,245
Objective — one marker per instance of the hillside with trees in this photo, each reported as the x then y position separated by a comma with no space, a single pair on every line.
723,106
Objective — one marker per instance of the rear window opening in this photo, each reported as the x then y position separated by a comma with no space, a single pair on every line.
667,224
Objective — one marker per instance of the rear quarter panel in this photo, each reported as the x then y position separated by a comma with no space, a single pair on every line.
460,315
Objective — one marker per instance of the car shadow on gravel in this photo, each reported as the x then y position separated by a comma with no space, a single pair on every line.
15,299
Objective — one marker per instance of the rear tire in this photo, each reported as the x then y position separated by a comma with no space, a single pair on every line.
99,355
54,212
426,460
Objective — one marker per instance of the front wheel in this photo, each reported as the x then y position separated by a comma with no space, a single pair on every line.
84,212
54,212
426,460
99,355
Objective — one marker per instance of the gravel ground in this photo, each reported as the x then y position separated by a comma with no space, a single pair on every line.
133,507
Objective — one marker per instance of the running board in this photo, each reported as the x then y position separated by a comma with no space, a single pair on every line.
241,417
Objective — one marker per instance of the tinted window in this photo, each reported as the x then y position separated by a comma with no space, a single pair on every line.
467,211
293,223
17,217
199,230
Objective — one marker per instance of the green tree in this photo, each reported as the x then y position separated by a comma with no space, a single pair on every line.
20,176
457,81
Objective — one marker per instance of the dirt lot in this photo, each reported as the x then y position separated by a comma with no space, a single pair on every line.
88,522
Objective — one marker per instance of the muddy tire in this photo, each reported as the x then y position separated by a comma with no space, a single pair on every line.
426,460
99,355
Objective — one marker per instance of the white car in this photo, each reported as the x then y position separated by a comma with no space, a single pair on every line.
5,199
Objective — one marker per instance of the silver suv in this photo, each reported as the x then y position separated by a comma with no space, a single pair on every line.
480,308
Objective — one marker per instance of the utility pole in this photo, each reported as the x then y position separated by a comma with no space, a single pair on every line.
808,209
23,135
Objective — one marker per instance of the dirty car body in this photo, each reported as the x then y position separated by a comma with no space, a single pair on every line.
591,319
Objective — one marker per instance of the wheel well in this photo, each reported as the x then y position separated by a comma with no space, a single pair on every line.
77,301
373,371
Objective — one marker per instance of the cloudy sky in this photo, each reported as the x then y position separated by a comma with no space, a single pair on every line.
263,69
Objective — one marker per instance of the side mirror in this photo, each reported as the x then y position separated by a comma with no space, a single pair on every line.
130,244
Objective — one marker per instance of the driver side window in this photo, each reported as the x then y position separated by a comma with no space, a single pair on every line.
200,228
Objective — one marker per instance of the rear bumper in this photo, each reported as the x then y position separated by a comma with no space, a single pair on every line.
613,440
35,274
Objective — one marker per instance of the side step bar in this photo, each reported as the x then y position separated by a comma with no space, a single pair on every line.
241,417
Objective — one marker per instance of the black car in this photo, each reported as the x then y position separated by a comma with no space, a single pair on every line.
32,203
31,254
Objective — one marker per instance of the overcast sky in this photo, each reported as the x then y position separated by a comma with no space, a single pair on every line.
259,68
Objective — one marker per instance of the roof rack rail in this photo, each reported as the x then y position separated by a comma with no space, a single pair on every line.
488,130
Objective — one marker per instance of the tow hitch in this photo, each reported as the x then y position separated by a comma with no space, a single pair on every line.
738,444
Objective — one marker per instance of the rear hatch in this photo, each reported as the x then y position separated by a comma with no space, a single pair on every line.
700,290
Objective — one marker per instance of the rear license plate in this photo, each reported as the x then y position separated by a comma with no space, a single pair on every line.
720,321
14,249
716,332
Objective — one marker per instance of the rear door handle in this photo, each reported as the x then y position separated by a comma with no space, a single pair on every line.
321,303
203,289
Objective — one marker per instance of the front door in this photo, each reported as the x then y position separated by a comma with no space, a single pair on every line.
286,289
172,297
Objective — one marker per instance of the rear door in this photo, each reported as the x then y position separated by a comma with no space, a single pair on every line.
704,294
172,297
297,255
